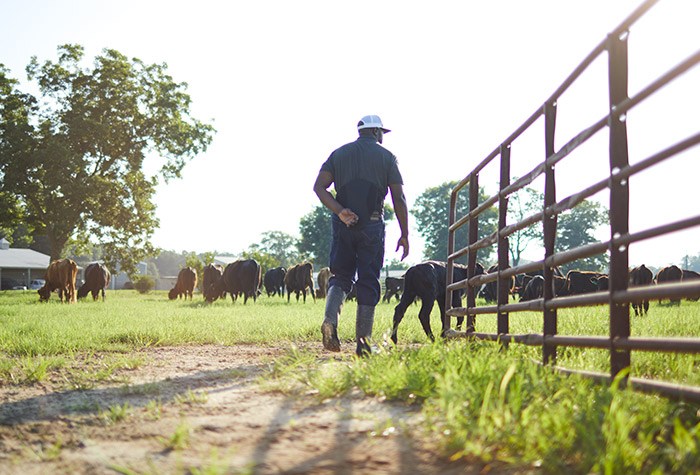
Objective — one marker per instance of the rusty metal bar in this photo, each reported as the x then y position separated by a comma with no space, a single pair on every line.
449,277
619,197
660,82
473,236
503,290
476,211
549,225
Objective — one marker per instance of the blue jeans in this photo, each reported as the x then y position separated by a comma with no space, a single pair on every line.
358,251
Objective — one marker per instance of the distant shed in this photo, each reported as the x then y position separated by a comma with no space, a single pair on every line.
20,266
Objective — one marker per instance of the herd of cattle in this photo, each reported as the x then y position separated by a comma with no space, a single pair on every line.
425,281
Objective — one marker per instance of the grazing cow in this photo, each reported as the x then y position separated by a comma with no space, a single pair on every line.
322,279
534,289
669,274
274,281
60,275
298,279
640,276
490,290
241,277
601,282
210,276
427,282
97,278
186,282
581,282
521,281
394,288
691,275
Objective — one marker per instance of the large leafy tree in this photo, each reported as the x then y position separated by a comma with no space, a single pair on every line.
431,211
281,247
575,228
315,231
521,205
71,162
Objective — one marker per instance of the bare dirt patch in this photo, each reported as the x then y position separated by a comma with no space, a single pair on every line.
191,409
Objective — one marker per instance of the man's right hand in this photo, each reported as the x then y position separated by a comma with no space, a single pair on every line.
403,243
348,217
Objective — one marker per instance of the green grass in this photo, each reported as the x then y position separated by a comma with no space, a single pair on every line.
480,403
484,407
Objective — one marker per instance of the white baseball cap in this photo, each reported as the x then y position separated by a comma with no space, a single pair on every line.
371,122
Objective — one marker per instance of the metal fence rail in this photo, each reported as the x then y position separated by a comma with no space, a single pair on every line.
618,297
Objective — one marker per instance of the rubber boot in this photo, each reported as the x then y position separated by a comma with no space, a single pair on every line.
329,328
363,329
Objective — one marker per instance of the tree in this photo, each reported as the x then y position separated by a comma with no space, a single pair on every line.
279,246
575,228
73,161
315,231
521,205
431,211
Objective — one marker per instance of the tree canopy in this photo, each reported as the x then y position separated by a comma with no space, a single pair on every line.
431,211
71,161
315,231
575,228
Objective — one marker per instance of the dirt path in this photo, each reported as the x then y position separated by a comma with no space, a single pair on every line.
212,415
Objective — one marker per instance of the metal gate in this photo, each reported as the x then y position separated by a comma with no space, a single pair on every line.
618,297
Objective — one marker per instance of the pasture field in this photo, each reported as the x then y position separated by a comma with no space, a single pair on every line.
480,404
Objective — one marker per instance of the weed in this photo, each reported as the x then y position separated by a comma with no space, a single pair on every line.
116,413
180,439
192,397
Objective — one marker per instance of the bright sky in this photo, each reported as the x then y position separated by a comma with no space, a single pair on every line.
286,82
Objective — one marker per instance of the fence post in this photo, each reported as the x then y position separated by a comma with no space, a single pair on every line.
473,237
502,287
619,197
449,279
549,225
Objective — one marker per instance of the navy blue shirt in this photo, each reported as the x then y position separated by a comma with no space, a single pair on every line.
362,172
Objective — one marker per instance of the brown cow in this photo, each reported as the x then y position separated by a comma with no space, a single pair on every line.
323,277
186,282
669,274
60,275
298,279
691,275
97,278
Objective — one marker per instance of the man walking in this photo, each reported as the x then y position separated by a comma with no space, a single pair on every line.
361,172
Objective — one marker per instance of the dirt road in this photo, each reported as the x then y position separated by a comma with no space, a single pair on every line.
202,410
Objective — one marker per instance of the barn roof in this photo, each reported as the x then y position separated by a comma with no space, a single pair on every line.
23,259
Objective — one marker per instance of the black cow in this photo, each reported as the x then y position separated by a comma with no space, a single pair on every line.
490,290
691,275
274,281
393,288
298,279
239,278
534,288
581,282
97,278
427,282
521,281
640,276
669,274
210,276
